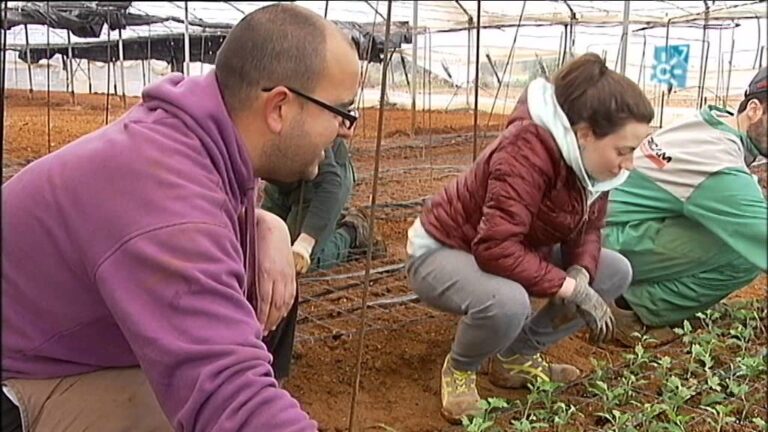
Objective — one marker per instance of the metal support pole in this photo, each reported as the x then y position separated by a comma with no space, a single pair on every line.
704,54
624,38
122,64
477,82
510,61
107,64
325,12
48,73
730,68
202,51
149,54
372,225
71,68
186,38
88,71
29,61
469,53
413,65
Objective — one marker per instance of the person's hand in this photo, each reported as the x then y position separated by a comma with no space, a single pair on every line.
276,289
568,311
578,273
302,249
592,309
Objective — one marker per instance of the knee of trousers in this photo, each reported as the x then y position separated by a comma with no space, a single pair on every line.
614,275
504,312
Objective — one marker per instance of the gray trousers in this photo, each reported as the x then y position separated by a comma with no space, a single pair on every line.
497,311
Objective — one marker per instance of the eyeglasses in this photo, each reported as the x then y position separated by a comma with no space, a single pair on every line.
348,119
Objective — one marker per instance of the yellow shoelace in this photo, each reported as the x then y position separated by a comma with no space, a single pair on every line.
527,367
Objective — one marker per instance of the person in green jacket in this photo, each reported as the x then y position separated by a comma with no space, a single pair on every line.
691,218
322,238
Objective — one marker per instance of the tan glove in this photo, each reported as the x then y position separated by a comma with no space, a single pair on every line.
302,249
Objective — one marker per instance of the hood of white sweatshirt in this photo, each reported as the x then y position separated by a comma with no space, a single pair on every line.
546,112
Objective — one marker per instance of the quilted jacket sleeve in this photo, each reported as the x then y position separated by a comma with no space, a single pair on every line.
584,250
520,172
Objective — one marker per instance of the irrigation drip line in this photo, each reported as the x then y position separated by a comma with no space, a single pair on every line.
383,269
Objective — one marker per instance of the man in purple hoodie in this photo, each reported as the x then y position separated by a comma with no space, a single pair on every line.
130,255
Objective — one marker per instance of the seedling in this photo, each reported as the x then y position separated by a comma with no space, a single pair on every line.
487,420
721,414
562,414
620,421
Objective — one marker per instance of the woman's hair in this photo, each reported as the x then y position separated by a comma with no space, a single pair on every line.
590,93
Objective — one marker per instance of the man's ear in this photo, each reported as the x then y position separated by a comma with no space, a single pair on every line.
275,104
755,111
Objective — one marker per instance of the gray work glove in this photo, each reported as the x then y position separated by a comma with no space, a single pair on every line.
578,273
593,310
568,314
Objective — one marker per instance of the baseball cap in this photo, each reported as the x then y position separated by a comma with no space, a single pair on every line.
759,83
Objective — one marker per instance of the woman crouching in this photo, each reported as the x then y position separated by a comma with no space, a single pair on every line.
524,221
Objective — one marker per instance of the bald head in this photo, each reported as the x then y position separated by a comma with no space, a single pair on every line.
275,45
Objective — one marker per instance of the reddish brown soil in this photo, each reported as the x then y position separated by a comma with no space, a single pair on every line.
399,386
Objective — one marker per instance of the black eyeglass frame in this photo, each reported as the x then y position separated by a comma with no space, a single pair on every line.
348,118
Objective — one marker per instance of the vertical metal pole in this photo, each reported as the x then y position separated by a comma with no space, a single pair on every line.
48,73
121,54
70,61
429,108
704,54
372,226
107,64
719,73
477,82
730,67
88,71
149,54
424,70
469,53
202,49
29,61
415,53
624,38
325,12
510,61
186,38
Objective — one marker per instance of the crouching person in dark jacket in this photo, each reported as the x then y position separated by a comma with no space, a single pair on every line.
524,221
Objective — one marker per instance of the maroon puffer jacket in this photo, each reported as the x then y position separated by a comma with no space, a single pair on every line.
517,201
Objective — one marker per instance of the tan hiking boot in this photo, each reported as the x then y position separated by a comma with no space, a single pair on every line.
458,393
359,221
519,370
629,330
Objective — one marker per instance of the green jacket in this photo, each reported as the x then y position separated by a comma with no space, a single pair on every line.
698,170
324,196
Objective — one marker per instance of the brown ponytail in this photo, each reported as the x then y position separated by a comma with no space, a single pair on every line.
590,93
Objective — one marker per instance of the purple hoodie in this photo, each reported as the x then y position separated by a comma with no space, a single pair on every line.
122,249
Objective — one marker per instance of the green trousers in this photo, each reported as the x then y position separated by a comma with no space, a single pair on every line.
679,268
331,248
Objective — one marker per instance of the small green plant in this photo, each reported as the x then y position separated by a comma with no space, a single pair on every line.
611,397
544,392
722,416
487,420
527,425
679,420
760,423
640,355
663,365
676,393
562,414
601,367
619,421
686,331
